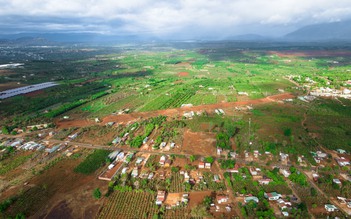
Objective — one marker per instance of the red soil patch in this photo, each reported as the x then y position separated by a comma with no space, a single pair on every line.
10,85
71,193
201,142
195,198
176,112
6,72
183,74
178,82
34,93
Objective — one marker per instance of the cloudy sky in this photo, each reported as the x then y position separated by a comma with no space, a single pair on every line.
167,18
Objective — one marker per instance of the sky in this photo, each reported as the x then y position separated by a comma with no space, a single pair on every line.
169,18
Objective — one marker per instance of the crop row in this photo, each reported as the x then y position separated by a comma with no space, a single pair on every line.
129,205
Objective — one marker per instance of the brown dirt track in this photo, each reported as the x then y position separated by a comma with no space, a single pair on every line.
170,112
183,74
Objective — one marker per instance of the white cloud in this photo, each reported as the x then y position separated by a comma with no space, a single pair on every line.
166,16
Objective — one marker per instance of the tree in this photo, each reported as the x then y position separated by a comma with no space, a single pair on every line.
313,192
207,201
287,132
209,159
97,193
5,130
156,216
199,211
192,158
175,169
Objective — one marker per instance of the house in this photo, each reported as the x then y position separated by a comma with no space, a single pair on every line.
251,198
315,177
162,160
256,154
208,165
73,136
139,160
342,161
222,199
233,154
349,204
235,169
117,140
283,156
163,144
272,196
285,213
186,177
189,115
330,208
201,165
172,145
300,159
168,163
346,91
150,176
341,151
160,198
284,172
321,154
124,170
317,159
185,198
254,171
145,140
110,123
135,172
337,181
216,178
265,181
219,151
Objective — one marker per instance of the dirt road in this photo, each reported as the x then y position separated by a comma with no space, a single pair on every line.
124,118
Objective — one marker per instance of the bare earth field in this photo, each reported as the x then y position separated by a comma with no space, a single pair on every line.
201,142
70,193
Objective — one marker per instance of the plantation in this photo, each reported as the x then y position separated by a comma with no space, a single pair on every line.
129,205
92,162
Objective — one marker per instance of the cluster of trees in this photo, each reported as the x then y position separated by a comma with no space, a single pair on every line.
136,142
297,177
223,140
227,164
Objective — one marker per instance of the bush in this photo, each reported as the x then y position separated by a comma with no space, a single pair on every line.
209,159
136,142
97,193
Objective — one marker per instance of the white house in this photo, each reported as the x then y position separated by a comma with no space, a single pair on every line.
342,161
341,151
337,181
222,199
321,154
284,172
264,181
330,208
251,198
272,196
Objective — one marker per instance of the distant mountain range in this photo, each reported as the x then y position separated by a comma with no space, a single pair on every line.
335,31
45,38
